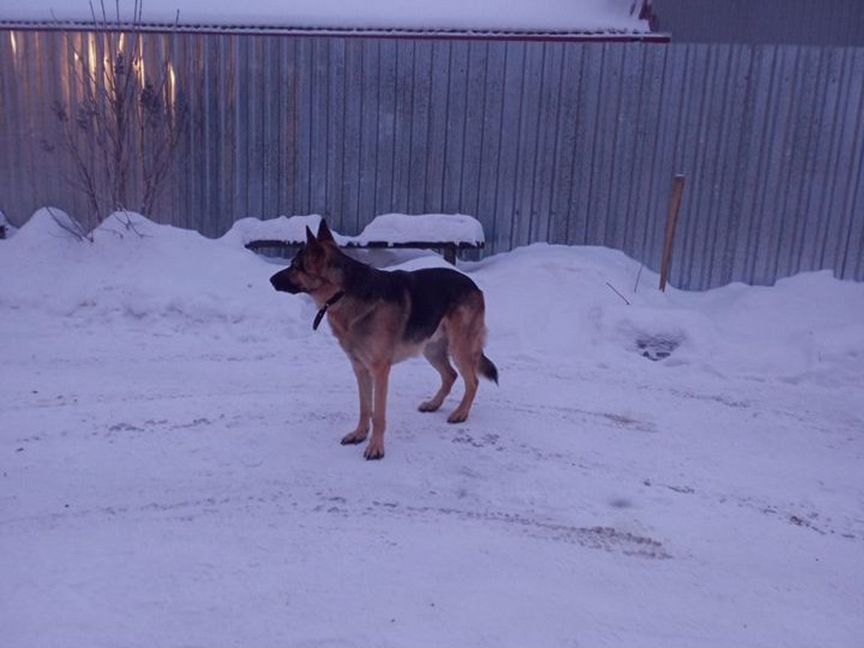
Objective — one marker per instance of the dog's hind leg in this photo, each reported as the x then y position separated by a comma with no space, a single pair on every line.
466,361
436,354
381,378
364,390
465,331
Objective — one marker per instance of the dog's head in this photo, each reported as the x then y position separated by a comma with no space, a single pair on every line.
308,270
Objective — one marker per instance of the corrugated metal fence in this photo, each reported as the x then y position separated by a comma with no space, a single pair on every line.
543,141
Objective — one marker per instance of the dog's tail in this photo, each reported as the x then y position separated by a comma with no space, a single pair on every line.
488,369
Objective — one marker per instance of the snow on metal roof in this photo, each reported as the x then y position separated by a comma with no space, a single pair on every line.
483,18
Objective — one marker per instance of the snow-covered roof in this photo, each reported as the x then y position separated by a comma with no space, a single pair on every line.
589,17
384,229
405,228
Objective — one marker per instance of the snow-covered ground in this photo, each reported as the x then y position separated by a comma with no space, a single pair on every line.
171,474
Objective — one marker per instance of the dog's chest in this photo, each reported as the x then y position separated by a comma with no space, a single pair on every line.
371,335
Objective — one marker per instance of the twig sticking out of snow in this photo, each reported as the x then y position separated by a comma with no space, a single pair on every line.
615,290
71,226
638,276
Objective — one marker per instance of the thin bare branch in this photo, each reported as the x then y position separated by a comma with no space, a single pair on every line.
123,132
615,290
72,226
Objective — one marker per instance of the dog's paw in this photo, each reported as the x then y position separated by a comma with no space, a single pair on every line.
429,406
457,416
358,436
374,451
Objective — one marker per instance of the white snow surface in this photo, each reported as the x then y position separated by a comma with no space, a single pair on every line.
557,15
387,228
171,470
413,228
283,228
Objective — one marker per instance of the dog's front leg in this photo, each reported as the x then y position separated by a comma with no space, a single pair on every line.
364,390
381,377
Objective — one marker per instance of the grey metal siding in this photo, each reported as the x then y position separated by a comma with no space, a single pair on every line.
790,22
562,142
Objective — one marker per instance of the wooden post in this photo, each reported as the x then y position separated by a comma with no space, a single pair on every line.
450,254
671,224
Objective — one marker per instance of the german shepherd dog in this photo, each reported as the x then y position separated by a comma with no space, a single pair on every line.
383,317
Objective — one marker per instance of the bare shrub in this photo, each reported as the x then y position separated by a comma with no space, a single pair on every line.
121,135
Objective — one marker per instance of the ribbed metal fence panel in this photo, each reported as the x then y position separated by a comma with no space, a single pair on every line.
562,142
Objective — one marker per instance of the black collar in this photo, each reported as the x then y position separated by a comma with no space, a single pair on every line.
339,295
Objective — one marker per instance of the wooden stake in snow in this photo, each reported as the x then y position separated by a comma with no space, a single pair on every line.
671,223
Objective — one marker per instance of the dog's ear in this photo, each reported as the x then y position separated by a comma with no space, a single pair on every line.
324,233
314,249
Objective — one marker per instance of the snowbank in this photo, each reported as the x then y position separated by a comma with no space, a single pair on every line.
541,300
561,301
141,272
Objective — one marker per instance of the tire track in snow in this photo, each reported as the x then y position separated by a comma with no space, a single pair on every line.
590,537
602,538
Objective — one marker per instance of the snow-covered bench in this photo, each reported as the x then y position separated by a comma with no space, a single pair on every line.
445,233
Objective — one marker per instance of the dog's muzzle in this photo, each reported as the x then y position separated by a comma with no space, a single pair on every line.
282,282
